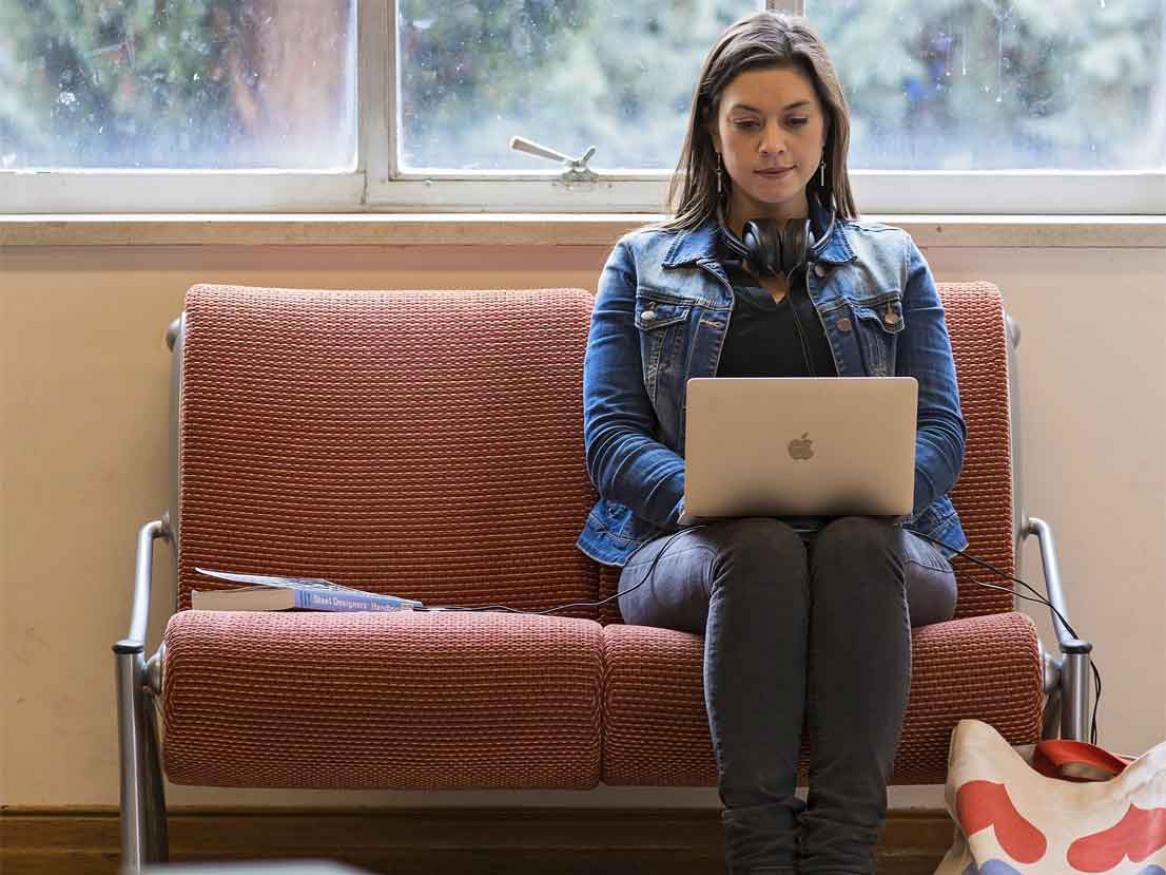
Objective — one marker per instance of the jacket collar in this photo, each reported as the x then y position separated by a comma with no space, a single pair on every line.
699,244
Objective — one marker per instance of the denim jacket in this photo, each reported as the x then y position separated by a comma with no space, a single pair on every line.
660,317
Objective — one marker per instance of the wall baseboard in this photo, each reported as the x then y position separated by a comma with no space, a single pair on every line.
432,841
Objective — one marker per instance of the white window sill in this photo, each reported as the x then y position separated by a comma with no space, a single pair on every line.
526,229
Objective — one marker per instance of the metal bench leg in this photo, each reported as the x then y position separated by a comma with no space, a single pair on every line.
132,748
158,845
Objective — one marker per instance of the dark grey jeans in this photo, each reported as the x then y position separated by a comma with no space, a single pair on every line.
797,627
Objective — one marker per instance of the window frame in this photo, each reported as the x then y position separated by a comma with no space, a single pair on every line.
378,183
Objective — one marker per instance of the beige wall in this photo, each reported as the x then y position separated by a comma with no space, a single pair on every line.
85,463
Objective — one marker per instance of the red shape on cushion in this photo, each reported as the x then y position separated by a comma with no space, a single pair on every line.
1138,834
980,804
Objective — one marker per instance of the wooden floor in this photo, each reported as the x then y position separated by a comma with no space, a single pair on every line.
472,841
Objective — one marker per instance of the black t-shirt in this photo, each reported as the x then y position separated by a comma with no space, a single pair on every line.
763,341
768,338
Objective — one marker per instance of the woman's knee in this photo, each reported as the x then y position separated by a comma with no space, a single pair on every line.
761,548
858,534
858,545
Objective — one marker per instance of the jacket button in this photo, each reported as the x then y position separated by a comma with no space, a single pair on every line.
648,315
819,270
842,325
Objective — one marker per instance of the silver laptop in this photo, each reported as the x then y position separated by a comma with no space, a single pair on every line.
799,446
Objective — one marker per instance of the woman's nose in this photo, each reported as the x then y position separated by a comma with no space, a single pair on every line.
772,141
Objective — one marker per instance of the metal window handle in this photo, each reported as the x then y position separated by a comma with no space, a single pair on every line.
577,169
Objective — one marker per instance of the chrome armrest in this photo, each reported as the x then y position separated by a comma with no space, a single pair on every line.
135,641
1072,668
139,683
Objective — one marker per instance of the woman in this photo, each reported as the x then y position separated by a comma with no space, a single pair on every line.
804,619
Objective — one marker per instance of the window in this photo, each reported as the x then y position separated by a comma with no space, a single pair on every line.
560,73
1004,105
177,85
1002,85
970,106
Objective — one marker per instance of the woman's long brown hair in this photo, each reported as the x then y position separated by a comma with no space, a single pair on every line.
762,40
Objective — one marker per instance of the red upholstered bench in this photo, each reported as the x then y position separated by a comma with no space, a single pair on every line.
429,444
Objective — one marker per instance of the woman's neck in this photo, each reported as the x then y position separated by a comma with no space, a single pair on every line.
741,211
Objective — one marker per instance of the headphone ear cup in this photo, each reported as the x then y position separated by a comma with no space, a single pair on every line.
766,246
797,237
774,247
736,246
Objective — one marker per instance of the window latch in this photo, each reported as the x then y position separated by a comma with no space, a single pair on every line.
577,169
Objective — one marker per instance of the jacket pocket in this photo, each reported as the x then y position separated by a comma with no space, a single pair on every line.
878,324
661,325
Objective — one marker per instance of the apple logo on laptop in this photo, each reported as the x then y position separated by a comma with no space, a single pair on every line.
802,448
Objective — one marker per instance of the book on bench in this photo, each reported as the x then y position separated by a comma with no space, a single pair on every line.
275,593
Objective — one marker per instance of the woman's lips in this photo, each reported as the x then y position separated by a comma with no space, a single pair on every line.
774,174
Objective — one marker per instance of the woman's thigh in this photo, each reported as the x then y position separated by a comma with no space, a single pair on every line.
674,592
668,582
930,581
849,549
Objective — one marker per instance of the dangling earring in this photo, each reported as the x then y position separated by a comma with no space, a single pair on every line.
822,174
718,174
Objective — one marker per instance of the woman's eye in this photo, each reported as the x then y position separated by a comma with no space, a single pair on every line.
796,122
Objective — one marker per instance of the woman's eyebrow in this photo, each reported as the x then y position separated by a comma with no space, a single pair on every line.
793,105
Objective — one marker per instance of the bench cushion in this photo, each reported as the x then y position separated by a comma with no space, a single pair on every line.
403,700
656,728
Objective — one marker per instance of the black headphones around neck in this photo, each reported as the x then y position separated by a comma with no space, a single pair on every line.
772,247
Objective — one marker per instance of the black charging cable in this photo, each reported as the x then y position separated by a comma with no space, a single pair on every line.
797,297
644,580
1036,597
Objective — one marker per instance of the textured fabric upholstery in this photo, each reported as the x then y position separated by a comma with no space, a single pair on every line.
983,493
423,443
363,700
429,444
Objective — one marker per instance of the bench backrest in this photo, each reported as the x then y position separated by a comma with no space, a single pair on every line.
429,443
423,443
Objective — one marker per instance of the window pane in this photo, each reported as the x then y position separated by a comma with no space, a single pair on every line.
1001,84
568,74
229,84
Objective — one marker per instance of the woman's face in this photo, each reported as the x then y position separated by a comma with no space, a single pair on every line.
769,119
